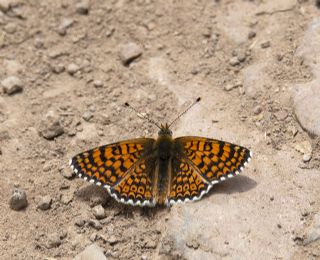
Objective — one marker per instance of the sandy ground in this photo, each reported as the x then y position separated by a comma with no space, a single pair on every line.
70,83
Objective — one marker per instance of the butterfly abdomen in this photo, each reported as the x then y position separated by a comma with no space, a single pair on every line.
164,156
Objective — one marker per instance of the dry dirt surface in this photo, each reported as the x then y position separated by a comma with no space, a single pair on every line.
67,68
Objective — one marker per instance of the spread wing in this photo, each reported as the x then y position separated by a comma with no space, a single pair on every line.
207,161
120,168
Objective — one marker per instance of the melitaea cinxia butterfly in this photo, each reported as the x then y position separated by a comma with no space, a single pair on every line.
163,171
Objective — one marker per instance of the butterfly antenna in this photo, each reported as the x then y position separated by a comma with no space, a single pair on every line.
185,111
146,117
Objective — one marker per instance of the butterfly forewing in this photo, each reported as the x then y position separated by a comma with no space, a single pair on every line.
110,164
215,160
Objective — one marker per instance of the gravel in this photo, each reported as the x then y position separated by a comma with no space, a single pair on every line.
83,7
306,157
313,236
50,126
99,212
80,222
45,203
98,84
12,85
230,87
73,68
281,115
10,28
112,240
257,110
87,115
129,52
265,44
234,61
5,5
95,224
91,252
18,199
251,34
54,240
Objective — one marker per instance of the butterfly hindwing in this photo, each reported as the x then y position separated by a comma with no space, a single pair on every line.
216,160
107,165
136,187
186,184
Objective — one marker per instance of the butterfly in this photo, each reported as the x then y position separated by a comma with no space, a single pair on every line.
162,171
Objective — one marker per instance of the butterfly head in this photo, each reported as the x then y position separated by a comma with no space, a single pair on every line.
164,130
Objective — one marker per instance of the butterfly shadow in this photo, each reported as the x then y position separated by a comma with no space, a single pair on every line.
234,185
95,195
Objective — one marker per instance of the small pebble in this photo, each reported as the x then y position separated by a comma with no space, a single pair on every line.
83,7
129,52
313,236
87,115
97,83
68,173
234,61
257,110
150,244
304,147
99,212
110,31
279,226
12,85
229,87
265,44
112,240
93,237
91,252
281,115
10,28
207,32
64,25
66,198
80,222
252,34
50,126
45,203
5,5
241,56
59,68
195,71
73,68
95,224
53,240
38,43
306,157
18,199
192,243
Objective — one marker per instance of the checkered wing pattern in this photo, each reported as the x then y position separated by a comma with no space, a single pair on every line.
136,187
119,167
215,160
187,183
